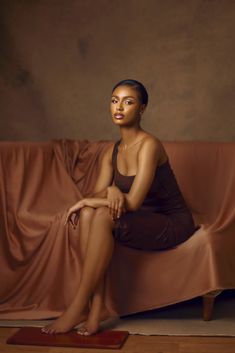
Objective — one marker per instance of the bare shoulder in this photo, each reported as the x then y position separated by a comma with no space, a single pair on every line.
108,153
151,144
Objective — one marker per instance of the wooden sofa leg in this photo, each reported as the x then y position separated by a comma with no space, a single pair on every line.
208,304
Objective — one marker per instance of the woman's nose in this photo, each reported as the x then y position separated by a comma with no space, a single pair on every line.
119,106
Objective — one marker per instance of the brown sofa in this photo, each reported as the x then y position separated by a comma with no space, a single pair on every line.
39,264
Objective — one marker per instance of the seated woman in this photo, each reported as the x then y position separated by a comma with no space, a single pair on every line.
136,202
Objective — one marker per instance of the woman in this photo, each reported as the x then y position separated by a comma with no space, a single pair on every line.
136,201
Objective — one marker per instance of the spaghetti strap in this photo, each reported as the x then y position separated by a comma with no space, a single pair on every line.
162,221
114,154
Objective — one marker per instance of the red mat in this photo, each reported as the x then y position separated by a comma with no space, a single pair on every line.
103,339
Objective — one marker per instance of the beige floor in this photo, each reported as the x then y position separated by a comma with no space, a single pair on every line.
142,344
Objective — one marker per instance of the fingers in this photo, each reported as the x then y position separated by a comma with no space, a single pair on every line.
120,210
66,219
76,219
112,209
74,209
72,218
116,208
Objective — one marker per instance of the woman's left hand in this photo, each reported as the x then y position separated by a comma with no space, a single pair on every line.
117,201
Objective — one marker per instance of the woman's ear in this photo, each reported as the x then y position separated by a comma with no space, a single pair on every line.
142,109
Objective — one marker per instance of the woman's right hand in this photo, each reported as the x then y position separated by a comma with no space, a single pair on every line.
74,211
116,201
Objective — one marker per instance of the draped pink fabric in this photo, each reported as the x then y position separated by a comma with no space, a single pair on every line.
39,257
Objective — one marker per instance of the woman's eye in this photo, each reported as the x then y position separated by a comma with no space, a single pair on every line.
126,102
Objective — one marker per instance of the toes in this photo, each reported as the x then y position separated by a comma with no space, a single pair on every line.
44,329
48,330
82,331
86,333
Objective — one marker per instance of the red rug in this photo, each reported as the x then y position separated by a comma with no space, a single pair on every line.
103,339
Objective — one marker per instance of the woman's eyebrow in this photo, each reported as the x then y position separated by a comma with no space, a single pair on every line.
125,97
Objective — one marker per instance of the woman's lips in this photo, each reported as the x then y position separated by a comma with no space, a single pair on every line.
119,116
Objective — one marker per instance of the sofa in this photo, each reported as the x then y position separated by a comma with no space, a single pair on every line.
39,262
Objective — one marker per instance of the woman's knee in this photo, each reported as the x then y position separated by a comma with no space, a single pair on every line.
103,213
86,213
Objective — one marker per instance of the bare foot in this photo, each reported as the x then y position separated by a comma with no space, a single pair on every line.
106,314
91,326
65,322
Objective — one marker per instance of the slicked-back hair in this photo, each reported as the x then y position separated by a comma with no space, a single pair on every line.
138,86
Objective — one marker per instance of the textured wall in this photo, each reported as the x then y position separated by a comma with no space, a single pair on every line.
59,60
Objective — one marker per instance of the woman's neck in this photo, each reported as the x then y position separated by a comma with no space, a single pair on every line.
129,135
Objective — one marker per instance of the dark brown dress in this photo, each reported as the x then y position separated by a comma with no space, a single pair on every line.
163,220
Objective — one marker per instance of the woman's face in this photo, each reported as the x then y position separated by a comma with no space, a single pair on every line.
125,106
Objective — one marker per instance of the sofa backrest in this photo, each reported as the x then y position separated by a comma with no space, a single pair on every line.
205,172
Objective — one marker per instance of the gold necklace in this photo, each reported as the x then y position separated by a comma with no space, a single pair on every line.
125,147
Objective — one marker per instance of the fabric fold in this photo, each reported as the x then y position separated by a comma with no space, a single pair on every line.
39,257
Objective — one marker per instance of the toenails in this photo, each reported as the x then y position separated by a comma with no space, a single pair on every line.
83,331
47,330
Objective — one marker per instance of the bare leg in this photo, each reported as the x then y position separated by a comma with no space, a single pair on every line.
85,219
98,311
97,306
99,252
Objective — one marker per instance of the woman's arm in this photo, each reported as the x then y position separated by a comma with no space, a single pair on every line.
95,202
103,188
101,194
148,158
105,175
91,202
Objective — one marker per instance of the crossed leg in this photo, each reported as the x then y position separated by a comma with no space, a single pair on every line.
98,311
85,218
99,251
